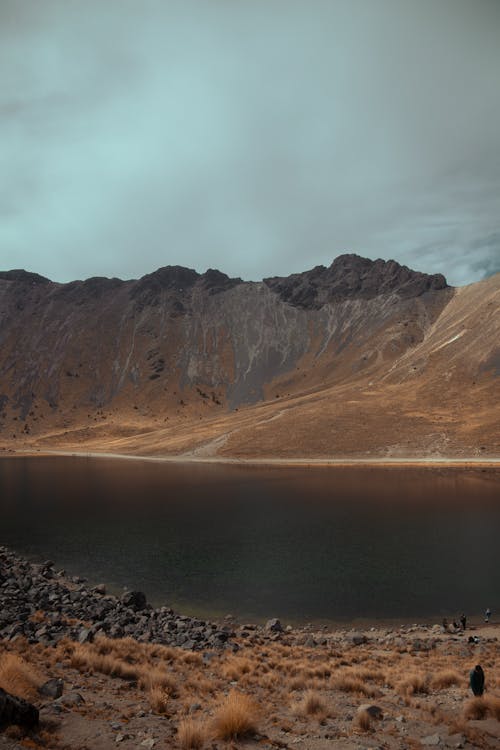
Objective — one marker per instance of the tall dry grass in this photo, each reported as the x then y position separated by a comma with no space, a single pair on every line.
235,717
191,734
481,707
445,678
311,704
18,677
414,683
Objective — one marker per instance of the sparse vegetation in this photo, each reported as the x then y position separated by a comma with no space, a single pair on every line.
312,704
18,677
191,734
235,717
309,693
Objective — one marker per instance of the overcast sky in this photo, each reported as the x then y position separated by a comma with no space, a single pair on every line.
260,137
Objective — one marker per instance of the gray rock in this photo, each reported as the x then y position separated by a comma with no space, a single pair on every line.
373,710
52,688
71,699
357,639
432,740
274,625
134,599
85,636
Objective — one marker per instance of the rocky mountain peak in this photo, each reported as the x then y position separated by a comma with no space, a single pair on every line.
19,275
351,276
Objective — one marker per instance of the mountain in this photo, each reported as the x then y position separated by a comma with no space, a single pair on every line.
360,358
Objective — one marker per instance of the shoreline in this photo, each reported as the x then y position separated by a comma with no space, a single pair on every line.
459,462
72,581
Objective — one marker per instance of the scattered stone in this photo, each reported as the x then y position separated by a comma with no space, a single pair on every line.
374,711
149,743
85,636
274,625
432,740
134,599
71,699
26,587
357,639
52,688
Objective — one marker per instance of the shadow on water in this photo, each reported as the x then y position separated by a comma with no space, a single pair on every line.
322,543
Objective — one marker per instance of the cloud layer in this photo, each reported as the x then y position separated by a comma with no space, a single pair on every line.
248,137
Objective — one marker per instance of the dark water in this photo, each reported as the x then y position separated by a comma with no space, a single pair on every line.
299,543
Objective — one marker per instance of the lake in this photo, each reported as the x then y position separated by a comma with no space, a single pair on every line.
299,543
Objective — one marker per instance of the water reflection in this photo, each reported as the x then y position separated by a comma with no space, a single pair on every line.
302,543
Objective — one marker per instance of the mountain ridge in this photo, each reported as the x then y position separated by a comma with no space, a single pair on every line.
182,353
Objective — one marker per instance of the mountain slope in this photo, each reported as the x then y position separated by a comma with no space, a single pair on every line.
365,357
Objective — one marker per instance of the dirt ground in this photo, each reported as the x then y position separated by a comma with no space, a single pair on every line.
302,689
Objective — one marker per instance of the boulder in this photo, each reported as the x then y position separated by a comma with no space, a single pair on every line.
274,625
52,688
134,599
15,710
374,711
357,639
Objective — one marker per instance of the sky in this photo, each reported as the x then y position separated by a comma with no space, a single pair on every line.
259,137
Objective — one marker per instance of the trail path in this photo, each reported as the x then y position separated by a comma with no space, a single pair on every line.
199,457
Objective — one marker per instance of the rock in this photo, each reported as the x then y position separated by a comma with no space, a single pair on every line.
17,711
357,639
100,589
52,688
374,711
149,743
85,636
274,625
432,740
71,699
134,599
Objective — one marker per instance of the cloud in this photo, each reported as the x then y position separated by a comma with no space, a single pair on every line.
238,136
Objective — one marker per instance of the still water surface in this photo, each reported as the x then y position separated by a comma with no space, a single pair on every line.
322,543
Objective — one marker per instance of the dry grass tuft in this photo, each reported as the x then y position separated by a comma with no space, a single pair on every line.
100,660
493,703
191,734
193,659
18,677
475,708
446,678
235,717
157,678
312,704
236,667
158,699
351,684
414,684
480,707
363,720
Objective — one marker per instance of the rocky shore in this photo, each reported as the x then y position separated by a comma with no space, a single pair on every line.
41,603
100,670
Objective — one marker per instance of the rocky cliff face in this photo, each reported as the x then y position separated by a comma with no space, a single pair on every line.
175,330
180,347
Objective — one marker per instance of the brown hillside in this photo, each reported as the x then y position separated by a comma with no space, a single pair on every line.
361,359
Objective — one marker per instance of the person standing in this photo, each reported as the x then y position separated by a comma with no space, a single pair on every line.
487,615
463,621
476,679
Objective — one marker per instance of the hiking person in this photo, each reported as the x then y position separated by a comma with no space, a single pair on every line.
476,678
463,620
487,615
